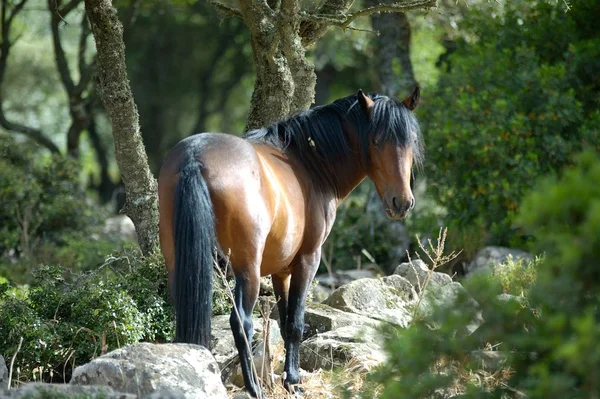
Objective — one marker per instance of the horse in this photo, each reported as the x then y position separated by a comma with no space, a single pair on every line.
269,201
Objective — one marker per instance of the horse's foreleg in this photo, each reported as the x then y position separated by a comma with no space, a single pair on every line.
281,287
302,275
246,295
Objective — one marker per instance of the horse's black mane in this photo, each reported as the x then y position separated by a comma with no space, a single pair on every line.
317,138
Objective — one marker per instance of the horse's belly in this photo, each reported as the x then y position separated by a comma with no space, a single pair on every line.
281,247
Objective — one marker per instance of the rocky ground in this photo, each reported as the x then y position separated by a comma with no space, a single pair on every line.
341,334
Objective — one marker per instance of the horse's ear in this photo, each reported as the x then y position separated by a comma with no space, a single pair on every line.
412,101
365,102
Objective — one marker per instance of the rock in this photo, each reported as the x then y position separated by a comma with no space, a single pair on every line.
321,318
145,368
341,277
319,293
120,225
37,390
3,372
451,297
490,360
326,280
167,393
225,352
511,298
488,257
387,299
356,344
266,286
417,271
347,276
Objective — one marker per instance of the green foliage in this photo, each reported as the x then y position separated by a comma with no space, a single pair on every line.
221,300
549,337
511,108
38,199
66,320
517,276
45,215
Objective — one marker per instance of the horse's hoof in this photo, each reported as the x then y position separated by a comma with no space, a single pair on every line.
249,395
294,389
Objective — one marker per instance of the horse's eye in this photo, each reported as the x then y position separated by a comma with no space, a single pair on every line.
375,142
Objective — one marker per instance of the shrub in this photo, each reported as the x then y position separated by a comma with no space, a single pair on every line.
66,319
549,340
511,109
45,215
517,276
39,198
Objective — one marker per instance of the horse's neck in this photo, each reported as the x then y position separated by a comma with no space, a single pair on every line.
343,193
353,170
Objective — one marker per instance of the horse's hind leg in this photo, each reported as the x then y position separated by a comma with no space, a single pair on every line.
246,294
281,287
302,275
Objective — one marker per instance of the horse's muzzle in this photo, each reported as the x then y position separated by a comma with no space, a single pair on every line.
398,209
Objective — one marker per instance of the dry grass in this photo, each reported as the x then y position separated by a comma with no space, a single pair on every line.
487,380
436,257
320,384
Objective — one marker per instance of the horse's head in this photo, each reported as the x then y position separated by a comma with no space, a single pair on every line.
394,146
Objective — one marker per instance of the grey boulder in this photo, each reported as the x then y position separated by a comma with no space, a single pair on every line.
145,368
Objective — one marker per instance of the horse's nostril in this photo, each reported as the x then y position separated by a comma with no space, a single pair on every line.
395,204
412,203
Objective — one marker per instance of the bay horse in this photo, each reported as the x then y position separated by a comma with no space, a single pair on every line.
269,200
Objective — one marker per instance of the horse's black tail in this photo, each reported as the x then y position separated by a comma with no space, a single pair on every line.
195,240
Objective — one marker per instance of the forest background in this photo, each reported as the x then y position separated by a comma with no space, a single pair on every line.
510,107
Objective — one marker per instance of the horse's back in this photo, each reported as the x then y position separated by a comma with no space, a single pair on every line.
229,165
256,198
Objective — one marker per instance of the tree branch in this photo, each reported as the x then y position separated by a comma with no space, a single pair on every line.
5,46
132,13
85,31
59,53
226,10
86,71
260,20
34,134
256,13
316,24
313,30
18,7
67,8
396,7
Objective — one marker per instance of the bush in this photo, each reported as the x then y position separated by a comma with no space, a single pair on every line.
39,198
517,276
45,215
512,108
66,319
549,338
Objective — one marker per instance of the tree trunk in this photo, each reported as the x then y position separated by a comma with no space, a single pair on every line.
106,186
325,79
141,203
75,90
285,81
393,46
